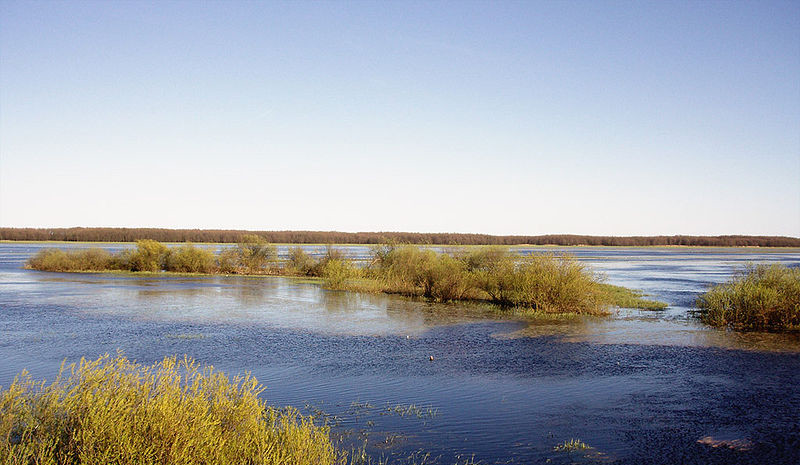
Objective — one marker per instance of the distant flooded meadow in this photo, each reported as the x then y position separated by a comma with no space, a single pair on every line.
640,386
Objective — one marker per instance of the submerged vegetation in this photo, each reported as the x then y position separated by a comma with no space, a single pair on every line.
571,446
543,283
112,410
760,297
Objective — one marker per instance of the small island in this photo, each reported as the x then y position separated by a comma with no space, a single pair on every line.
534,284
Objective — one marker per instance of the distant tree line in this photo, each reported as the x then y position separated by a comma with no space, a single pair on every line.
335,237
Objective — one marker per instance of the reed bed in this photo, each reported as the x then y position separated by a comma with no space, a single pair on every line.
114,411
757,298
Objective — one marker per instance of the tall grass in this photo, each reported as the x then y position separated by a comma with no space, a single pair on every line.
548,283
190,259
75,260
148,256
543,283
114,411
760,297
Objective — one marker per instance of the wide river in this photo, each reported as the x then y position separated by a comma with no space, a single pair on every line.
638,387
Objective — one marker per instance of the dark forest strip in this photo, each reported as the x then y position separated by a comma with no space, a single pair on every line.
335,237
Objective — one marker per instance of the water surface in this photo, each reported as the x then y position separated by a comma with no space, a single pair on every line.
640,386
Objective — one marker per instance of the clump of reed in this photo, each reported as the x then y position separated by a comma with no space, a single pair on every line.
93,259
759,297
190,259
112,410
410,270
571,446
543,283
252,255
546,283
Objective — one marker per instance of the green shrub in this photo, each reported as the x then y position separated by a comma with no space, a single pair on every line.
300,262
228,261
762,297
335,273
93,259
190,259
545,283
113,411
445,278
404,269
255,253
148,256
486,259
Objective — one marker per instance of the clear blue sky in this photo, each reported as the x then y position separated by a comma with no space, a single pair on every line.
612,118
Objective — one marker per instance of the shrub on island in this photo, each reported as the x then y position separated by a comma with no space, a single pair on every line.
760,297
93,259
190,259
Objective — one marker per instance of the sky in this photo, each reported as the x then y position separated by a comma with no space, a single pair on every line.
581,117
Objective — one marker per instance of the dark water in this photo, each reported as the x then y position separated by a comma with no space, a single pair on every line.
639,387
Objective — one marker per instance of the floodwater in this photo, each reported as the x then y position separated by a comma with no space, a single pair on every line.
638,387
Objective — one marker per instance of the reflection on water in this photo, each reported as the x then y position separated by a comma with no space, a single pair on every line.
639,386
637,327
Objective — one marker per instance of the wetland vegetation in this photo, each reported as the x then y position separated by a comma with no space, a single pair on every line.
759,297
544,283
112,410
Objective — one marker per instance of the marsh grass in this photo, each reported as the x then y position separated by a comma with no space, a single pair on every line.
623,297
190,259
93,259
112,410
571,446
759,297
542,283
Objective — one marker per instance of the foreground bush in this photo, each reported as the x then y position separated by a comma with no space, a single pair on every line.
763,297
113,411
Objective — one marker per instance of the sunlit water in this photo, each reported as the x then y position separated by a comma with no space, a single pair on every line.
640,386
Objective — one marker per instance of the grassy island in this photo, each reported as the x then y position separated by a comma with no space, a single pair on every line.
759,298
112,410
541,282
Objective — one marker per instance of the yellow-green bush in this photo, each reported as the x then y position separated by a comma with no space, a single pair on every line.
93,259
546,283
114,411
336,272
190,259
148,256
228,261
255,253
762,297
300,262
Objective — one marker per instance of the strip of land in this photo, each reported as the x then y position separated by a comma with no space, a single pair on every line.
538,283
336,237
